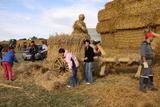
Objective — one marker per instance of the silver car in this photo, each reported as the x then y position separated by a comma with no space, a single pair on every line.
40,55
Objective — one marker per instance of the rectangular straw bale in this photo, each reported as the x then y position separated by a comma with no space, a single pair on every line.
129,39
137,7
106,26
126,39
158,29
131,22
106,14
110,5
125,22
157,17
108,40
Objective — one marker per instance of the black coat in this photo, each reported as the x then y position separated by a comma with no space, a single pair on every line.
33,50
89,53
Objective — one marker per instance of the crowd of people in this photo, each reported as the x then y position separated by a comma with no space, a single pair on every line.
146,76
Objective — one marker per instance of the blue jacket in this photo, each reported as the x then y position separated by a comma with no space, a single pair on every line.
9,57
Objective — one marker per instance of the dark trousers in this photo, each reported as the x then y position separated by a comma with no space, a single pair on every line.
1,55
33,58
146,79
74,79
146,83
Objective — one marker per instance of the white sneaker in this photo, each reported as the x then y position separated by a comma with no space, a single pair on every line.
68,86
88,83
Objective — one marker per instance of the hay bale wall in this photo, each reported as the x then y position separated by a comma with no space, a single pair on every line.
21,42
128,14
122,23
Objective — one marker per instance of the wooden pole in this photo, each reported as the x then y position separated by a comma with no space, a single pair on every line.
9,86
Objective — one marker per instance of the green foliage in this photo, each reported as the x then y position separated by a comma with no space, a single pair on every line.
34,38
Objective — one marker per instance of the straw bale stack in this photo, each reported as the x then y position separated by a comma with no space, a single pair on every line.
128,14
122,24
128,22
123,39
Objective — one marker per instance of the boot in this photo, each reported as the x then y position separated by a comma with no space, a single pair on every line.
143,84
150,84
154,89
144,90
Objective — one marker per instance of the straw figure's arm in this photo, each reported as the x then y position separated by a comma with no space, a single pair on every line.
155,34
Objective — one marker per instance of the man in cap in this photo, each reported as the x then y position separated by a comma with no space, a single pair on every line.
146,76
146,31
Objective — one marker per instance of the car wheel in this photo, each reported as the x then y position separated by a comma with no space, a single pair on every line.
25,59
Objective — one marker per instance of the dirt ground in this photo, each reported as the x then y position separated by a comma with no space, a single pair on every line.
114,90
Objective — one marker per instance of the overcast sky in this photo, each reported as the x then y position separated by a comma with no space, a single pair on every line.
41,18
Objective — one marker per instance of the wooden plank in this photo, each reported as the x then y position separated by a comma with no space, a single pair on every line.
9,86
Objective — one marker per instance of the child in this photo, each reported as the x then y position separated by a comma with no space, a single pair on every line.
73,64
7,62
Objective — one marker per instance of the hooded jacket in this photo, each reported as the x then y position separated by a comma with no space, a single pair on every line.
9,57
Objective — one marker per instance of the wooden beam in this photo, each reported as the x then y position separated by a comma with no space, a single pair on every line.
9,86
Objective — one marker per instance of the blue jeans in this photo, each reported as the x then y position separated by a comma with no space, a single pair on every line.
74,77
88,72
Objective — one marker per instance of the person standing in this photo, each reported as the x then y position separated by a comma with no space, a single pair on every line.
73,65
33,50
24,46
146,76
19,46
7,62
1,49
88,59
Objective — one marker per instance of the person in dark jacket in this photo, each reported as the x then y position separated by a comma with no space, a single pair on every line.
89,58
7,62
1,48
33,50
146,76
